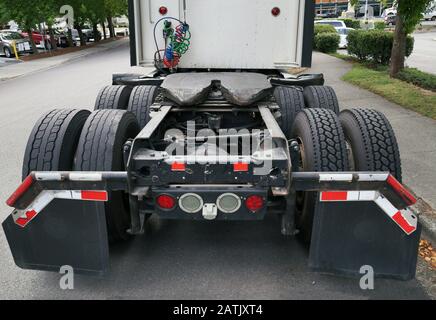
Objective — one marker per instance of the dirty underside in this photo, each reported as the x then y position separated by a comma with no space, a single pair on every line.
241,89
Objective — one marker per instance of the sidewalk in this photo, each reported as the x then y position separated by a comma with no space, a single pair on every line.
25,68
416,134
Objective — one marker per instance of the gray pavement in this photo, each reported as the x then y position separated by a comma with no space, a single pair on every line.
13,69
415,133
175,259
424,52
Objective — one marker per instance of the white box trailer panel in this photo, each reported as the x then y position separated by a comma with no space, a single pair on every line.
228,34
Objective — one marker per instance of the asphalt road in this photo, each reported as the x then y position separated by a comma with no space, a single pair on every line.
175,259
424,53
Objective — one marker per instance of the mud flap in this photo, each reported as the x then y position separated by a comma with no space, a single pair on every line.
66,232
349,235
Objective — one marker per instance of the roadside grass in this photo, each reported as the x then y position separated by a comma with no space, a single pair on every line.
377,80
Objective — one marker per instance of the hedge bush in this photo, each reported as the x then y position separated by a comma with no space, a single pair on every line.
421,79
351,23
323,28
379,25
327,42
374,45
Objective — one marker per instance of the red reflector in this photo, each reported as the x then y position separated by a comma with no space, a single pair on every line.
334,196
163,10
398,218
177,166
20,191
166,202
254,203
240,167
275,11
22,222
94,195
401,190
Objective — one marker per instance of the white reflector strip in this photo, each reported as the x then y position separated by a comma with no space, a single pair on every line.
23,217
83,176
373,177
335,177
48,176
405,219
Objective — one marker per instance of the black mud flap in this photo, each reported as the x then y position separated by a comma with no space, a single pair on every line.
349,235
66,233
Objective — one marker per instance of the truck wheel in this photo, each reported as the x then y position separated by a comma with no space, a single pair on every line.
141,99
100,148
53,141
291,102
113,97
372,141
323,97
322,148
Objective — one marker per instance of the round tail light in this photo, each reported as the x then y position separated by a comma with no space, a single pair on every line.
254,203
275,11
228,203
163,10
191,203
166,202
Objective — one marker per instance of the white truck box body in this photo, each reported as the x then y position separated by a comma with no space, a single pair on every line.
228,34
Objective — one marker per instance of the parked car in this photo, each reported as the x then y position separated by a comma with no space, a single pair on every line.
40,40
391,20
430,15
334,23
89,35
7,39
343,33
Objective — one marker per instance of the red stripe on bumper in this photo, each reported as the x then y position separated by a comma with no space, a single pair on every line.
27,183
334,196
22,222
399,219
401,190
94,195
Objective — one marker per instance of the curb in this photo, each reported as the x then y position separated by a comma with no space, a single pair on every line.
87,52
427,218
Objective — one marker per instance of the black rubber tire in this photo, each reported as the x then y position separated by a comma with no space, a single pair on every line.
113,97
291,102
7,52
141,98
372,140
323,97
100,148
53,141
323,148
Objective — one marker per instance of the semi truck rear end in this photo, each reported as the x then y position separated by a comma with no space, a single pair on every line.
219,130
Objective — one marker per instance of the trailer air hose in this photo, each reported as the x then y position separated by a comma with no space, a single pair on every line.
177,42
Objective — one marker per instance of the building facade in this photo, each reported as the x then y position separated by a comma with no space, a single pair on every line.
325,7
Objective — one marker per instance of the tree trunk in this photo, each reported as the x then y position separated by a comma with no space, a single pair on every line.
104,30
54,45
32,43
97,37
398,55
81,35
111,27
70,38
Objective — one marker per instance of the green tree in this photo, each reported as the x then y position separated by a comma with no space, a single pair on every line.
113,9
409,13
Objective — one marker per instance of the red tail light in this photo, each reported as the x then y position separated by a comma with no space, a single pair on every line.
163,10
166,202
254,203
275,11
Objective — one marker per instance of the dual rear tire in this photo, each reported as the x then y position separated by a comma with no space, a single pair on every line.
77,140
